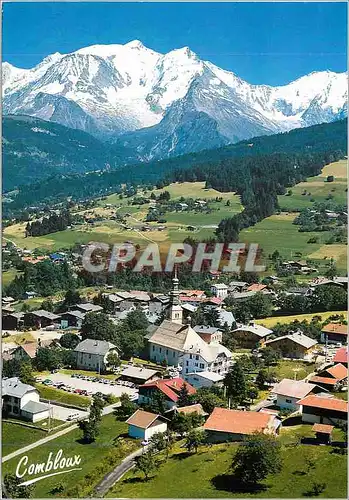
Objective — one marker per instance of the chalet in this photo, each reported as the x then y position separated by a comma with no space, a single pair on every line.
91,354
338,372
72,319
233,425
251,335
220,290
226,318
41,319
139,375
26,352
204,379
293,346
288,392
88,307
12,321
237,286
334,332
323,433
29,295
143,424
22,401
323,410
332,378
190,409
170,388
159,304
209,333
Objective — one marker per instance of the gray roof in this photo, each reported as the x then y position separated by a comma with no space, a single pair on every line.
35,407
92,346
212,376
209,330
14,387
243,295
88,307
76,314
259,330
138,373
298,338
226,317
41,313
293,388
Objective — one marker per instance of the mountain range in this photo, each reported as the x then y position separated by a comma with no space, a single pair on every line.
153,106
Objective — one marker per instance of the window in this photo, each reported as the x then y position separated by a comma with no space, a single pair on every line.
202,365
288,400
15,409
159,349
196,364
186,370
191,356
197,356
153,347
166,352
187,363
89,356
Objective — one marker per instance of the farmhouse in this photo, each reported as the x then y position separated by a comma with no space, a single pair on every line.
323,410
294,346
332,378
170,389
139,375
92,354
72,319
25,352
12,321
233,425
334,332
41,319
143,425
289,392
22,401
190,409
88,307
250,335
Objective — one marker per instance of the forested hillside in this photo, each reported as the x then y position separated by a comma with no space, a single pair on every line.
219,166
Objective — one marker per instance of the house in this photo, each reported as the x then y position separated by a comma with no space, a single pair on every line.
113,301
334,332
88,307
226,318
143,425
323,433
237,286
233,425
295,345
22,401
323,410
190,409
41,319
159,304
29,295
91,354
72,319
243,295
331,378
249,336
204,379
170,388
25,352
258,287
139,375
12,321
289,392
219,290
341,356
209,333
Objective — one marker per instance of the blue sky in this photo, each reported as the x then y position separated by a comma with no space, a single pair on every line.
271,43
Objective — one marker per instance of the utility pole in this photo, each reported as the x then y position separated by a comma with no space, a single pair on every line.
49,416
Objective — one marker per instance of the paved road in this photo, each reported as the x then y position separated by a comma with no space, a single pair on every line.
110,479
48,438
106,411
62,413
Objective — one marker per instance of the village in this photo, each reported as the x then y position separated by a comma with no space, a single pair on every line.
193,369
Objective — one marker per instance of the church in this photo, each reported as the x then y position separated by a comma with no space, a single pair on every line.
180,346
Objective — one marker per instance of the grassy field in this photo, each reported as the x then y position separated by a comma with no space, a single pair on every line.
207,474
272,321
15,437
22,338
61,396
318,188
8,276
293,369
112,232
106,451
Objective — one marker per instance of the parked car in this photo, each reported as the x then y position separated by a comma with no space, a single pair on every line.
73,416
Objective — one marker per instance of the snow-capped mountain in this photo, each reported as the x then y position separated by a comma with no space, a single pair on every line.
165,104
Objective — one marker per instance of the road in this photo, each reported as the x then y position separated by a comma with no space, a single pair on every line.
112,477
106,411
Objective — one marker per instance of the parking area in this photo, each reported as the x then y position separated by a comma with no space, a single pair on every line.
62,413
110,387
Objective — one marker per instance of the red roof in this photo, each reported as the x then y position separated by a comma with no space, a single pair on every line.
323,380
337,328
214,300
338,371
170,387
341,355
325,403
236,421
324,428
256,287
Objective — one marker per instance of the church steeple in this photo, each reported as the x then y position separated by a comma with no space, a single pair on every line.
176,312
